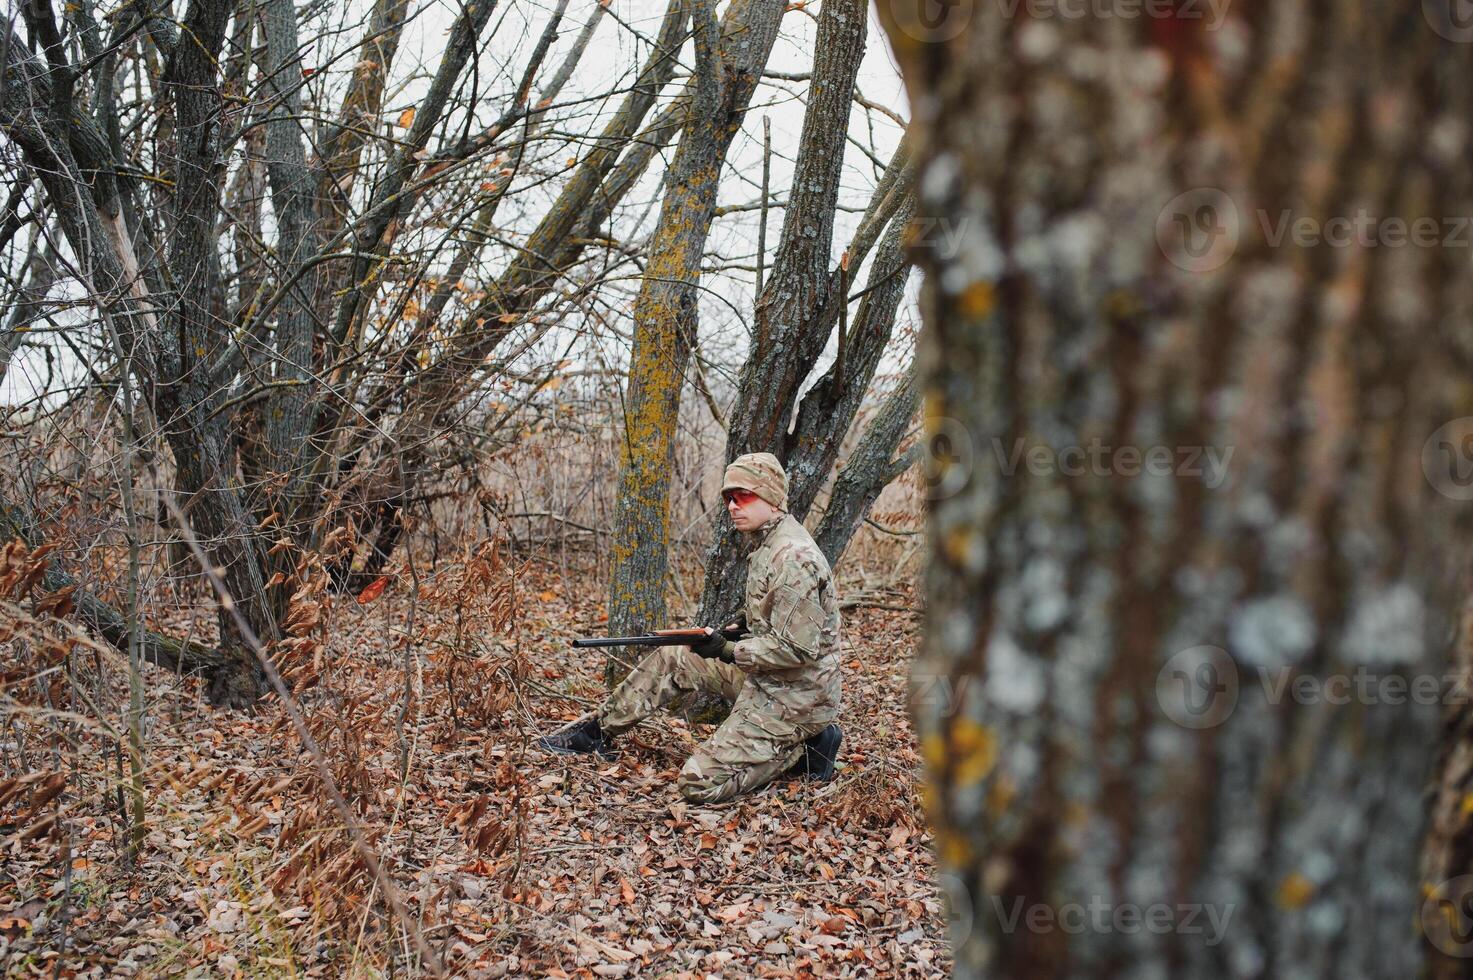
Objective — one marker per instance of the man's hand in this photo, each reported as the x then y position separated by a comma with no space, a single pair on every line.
715,647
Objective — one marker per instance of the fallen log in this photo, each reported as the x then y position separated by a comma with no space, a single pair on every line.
179,656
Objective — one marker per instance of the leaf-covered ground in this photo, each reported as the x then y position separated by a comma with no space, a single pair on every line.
505,861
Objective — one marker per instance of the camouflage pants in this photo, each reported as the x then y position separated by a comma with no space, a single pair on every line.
751,748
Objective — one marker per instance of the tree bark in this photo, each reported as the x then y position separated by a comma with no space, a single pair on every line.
291,409
194,334
728,69
799,285
870,469
1447,856
827,409
1112,617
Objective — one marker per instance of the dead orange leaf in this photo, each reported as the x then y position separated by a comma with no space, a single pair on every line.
373,590
835,925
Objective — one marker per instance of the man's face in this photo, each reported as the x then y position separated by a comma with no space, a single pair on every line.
748,511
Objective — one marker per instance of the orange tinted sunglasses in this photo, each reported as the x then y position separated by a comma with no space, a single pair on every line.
742,497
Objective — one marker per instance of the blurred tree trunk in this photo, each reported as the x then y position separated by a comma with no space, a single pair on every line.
1447,858
1185,462
728,66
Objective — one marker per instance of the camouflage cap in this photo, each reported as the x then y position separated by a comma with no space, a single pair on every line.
760,473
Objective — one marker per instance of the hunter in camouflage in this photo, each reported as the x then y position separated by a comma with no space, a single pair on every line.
783,678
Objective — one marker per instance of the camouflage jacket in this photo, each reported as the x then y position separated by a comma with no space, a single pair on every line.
792,611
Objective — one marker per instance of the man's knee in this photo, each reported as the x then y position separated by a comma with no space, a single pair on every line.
702,780
706,789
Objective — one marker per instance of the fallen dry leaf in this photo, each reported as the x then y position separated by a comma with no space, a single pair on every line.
373,590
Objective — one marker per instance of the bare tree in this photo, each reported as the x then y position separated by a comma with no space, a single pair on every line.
806,298
870,468
291,394
596,187
799,308
729,65
809,445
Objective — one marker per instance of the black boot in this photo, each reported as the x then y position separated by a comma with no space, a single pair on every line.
579,738
820,752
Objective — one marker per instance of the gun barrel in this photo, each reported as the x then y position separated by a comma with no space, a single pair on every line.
626,641
659,638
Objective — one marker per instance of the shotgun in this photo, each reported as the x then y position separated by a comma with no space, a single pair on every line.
661,638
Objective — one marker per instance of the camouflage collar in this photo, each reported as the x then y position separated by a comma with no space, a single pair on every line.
752,540
760,535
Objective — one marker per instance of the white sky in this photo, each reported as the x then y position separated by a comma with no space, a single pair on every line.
329,32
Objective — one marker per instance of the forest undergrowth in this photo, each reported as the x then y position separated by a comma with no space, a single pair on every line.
424,692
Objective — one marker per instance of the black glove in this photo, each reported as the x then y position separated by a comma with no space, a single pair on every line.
715,647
